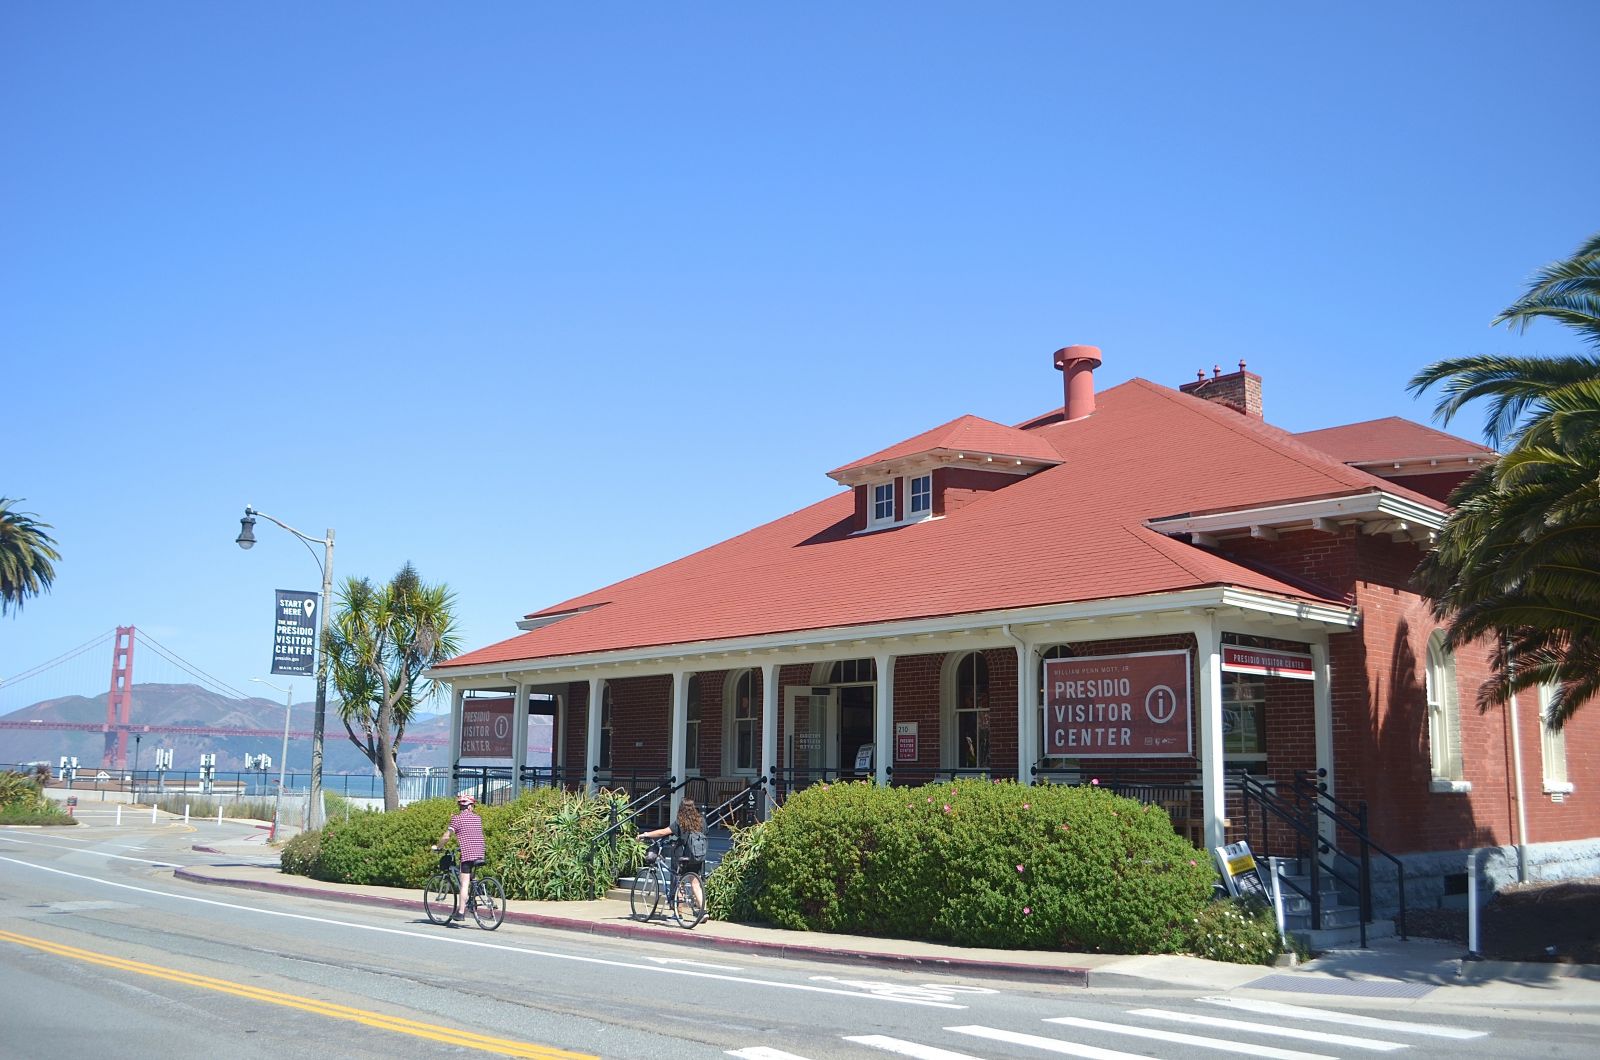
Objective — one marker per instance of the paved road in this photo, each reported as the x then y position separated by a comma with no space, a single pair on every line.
101,949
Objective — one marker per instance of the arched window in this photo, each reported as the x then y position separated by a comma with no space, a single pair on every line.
852,672
1055,651
1444,714
740,725
605,726
972,713
691,736
1553,747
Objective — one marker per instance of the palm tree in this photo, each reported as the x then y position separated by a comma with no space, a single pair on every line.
379,643
27,557
1519,558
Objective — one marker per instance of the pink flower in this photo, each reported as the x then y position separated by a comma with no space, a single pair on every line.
1095,781
1066,828
1027,911
1019,868
1027,806
1191,861
947,807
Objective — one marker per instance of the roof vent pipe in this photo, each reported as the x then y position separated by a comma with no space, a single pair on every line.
1077,365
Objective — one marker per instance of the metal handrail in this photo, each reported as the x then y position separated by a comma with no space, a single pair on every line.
746,797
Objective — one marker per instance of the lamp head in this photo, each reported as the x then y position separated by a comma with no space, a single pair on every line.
247,531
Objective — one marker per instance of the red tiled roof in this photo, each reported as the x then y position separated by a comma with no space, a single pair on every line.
1072,532
1391,438
965,434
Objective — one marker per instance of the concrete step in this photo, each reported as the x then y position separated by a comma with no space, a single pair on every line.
1339,937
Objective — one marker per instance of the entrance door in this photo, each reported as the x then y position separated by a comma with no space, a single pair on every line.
855,730
810,735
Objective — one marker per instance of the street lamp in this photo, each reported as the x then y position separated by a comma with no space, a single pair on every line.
283,762
247,539
136,738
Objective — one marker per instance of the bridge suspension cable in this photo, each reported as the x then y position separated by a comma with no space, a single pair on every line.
59,660
177,660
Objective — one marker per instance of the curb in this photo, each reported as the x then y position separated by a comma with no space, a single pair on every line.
1060,975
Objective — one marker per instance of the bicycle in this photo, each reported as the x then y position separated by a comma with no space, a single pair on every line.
655,878
487,902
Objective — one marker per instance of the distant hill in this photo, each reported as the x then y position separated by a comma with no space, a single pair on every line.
193,706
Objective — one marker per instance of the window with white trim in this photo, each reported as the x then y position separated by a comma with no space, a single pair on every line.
921,496
1444,714
742,723
1244,717
605,726
972,712
1553,746
691,735
883,502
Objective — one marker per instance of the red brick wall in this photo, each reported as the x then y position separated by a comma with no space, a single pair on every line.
1437,486
957,487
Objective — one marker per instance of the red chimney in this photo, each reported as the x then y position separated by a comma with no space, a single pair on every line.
1077,365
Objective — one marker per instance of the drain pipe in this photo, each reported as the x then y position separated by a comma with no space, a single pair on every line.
1516,769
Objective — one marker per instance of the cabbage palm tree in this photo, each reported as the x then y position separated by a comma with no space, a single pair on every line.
1519,558
27,557
379,642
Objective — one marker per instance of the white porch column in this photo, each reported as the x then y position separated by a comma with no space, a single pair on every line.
457,694
883,721
678,744
769,731
558,752
519,735
1212,788
591,736
1027,715
1322,720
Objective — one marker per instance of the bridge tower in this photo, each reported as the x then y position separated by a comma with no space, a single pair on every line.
119,701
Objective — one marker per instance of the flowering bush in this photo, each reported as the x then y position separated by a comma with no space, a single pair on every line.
983,864
1237,930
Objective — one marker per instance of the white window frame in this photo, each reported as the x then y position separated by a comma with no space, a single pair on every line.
875,502
731,724
950,724
920,488
607,726
1444,719
691,728
1230,686
1553,748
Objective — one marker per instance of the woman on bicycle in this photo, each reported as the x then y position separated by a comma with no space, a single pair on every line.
690,821
467,827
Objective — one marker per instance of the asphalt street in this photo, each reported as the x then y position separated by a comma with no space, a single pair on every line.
102,951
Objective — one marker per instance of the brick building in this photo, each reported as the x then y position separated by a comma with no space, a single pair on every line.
1149,587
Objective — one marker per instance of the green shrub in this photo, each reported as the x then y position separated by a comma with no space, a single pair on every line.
553,851
1237,930
21,791
731,890
384,849
983,864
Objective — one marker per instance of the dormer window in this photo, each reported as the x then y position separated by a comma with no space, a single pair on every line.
883,502
921,496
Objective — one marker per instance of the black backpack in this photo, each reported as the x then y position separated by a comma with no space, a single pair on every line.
694,846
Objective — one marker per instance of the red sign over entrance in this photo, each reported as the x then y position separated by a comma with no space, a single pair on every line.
1118,706
1268,662
486,731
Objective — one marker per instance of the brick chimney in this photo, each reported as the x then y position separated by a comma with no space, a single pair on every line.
1240,391
1077,365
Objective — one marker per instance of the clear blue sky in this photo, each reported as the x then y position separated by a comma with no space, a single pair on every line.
538,297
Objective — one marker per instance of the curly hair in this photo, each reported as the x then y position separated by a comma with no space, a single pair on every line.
690,818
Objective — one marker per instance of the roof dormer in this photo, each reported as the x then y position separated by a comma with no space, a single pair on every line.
941,470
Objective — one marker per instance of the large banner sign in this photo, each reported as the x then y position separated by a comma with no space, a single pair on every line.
1118,706
486,731
294,633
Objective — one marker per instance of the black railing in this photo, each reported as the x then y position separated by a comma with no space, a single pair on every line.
743,808
1352,823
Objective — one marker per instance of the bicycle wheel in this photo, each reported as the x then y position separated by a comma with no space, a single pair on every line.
439,897
688,899
646,893
488,902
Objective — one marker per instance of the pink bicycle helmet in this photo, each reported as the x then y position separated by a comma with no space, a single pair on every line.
464,799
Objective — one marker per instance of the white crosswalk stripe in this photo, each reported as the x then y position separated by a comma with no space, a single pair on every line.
1052,1045
1300,1012
1179,1038
912,1049
761,1052
1320,1037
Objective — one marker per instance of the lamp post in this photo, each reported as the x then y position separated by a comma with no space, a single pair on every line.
136,737
247,539
283,761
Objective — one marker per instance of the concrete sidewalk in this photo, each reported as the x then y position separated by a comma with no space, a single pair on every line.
1389,968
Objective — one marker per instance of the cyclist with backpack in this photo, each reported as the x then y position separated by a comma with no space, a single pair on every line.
688,838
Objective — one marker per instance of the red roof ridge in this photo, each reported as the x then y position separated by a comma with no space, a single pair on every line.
983,436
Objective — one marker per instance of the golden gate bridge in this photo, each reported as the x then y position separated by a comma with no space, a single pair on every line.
119,722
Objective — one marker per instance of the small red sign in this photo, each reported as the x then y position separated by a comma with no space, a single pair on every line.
1267,662
1118,706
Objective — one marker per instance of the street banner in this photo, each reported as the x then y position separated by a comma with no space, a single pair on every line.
1118,706
294,633
486,731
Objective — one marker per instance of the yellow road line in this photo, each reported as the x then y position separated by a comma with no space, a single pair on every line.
435,1032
